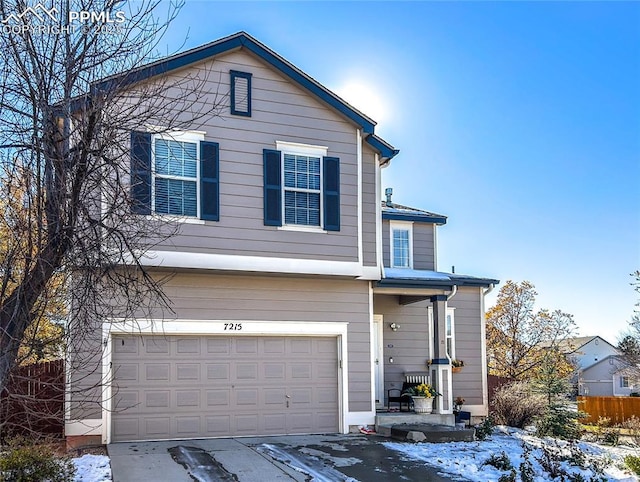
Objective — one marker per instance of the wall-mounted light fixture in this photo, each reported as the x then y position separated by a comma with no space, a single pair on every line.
394,326
390,359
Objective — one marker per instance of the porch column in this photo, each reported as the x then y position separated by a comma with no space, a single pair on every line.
440,363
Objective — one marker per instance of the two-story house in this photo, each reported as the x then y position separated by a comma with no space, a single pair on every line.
298,297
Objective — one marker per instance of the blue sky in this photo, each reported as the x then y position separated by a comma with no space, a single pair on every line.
520,121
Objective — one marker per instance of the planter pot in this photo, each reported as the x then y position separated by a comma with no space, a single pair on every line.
422,404
456,369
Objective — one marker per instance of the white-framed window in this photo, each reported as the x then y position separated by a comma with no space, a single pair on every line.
175,187
401,244
302,171
450,331
624,382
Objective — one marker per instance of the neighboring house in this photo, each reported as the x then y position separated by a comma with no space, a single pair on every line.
299,298
601,371
607,378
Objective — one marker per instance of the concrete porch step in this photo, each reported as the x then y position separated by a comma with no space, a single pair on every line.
395,418
431,433
419,427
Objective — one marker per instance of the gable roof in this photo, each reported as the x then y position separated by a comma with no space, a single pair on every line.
244,40
405,213
579,341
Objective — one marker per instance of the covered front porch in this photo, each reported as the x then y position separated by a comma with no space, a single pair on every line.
415,313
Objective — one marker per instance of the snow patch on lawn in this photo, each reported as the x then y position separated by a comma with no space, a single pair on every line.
467,459
92,468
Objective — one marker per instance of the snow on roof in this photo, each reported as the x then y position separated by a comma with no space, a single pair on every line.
427,277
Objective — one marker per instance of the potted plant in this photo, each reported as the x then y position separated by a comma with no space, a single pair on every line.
422,396
457,405
456,365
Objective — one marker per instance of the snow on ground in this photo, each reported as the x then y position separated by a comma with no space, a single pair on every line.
467,459
92,468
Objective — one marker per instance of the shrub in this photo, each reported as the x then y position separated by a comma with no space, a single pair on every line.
633,462
606,432
30,463
633,428
516,405
559,421
500,462
484,429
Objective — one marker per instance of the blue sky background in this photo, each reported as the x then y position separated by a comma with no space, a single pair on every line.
520,121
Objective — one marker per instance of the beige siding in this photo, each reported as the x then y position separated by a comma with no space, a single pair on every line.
386,256
206,297
468,332
369,204
409,346
282,111
423,245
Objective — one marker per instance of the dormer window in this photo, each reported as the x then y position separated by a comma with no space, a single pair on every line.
401,245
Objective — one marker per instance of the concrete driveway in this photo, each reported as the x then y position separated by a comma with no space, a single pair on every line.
265,459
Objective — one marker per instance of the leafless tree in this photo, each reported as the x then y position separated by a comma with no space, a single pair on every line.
70,94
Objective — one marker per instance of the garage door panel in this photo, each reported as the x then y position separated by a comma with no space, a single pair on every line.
218,398
156,345
246,346
185,426
214,386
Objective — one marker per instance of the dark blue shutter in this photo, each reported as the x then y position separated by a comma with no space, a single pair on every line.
140,172
272,188
331,193
209,181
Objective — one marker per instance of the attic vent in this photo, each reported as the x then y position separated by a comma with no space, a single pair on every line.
240,93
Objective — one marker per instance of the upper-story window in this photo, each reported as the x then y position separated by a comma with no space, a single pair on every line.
175,177
401,245
301,187
175,174
240,93
302,192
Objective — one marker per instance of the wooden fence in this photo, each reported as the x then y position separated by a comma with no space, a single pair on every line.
33,401
494,383
618,409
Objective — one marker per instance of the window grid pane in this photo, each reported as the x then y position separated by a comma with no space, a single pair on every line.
401,248
301,179
176,159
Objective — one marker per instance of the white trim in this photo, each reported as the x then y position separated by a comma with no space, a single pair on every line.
400,226
483,354
410,292
357,419
377,352
302,228
231,262
216,327
359,202
302,149
175,219
379,259
87,426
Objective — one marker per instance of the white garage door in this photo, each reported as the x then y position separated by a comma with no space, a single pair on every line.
168,387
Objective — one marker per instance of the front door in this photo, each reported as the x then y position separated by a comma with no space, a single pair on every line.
378,360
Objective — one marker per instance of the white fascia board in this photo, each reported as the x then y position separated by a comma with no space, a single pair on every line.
260,264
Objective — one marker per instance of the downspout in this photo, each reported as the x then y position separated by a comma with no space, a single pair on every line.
489,289
453,293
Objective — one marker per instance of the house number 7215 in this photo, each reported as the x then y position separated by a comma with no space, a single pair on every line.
232,326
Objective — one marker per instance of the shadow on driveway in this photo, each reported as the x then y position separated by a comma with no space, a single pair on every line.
319,458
